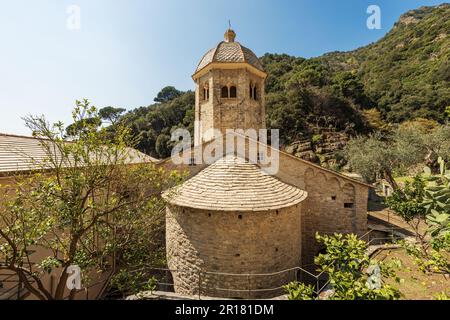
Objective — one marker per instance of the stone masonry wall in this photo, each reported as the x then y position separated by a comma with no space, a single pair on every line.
241,112
334,204
232,242
203,109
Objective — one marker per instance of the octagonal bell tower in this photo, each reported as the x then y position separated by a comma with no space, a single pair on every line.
229,90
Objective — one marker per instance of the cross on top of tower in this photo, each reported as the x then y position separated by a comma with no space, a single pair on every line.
230,35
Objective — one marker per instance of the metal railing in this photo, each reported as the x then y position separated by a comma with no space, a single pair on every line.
204,288
393,234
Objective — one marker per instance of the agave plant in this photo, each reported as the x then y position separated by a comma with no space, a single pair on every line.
436,202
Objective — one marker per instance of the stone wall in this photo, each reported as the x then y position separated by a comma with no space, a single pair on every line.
204,112
232,242
334,203
332,206
241,112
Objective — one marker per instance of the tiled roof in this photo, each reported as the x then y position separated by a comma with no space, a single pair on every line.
230,52
233,184
20,153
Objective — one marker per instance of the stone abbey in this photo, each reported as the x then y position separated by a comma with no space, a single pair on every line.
232,229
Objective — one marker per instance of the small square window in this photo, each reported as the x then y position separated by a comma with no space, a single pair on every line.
333,198
348,205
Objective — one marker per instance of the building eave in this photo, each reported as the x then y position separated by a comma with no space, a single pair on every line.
228,66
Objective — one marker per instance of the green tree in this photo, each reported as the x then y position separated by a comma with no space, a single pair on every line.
375,119
352,274
83,208
372,157
76,128
148,123
348,85
300,291
163,145
425,205
111,114
382,155
167,94
447,112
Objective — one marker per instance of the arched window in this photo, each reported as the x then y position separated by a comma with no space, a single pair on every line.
233,92
224,92
206,92
253,89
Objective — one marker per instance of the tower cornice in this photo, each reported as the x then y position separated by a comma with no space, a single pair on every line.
229,66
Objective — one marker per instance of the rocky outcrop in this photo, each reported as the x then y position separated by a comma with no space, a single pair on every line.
320,149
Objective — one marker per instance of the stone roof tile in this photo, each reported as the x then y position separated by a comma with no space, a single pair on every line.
233,184
231,52
20,153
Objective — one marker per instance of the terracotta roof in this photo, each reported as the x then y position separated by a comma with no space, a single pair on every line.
230,52
21,153
233,184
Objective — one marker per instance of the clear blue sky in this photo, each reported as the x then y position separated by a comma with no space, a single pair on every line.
127,50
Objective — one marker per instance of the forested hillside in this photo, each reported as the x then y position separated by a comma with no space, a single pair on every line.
407,72
173,109
321,102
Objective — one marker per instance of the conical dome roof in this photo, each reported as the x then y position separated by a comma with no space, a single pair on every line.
230,51
233,184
